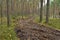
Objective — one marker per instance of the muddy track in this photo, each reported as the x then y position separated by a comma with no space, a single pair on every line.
28,30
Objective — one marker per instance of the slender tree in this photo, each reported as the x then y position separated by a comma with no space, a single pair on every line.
1,11
54,8
11,6
22,8
47,11
41,10
7,12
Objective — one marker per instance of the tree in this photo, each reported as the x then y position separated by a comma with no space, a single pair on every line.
11,6
53,9
7,12
47,11
41,10
1,10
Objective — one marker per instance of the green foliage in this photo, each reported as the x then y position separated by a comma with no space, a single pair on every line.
55,23
58,2
7,33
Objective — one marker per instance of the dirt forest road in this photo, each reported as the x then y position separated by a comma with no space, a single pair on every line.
28,30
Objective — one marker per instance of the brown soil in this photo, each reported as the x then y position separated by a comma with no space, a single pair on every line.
29,30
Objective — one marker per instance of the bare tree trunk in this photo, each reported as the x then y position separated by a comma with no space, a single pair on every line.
7,12
59,15
53,9
47,11
41,10
11,6
22,8
1,12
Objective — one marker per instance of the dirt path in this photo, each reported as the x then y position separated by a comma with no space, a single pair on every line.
28,30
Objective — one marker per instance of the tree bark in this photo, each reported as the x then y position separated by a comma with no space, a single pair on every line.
1,12
7,12
41,10
47,11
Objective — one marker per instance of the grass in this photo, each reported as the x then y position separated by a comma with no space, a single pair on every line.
7,33
54,23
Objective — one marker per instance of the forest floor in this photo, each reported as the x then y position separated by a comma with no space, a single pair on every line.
8,33
28,29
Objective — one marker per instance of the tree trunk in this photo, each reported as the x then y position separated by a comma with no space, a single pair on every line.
7,12
1,12
47,11
41,10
